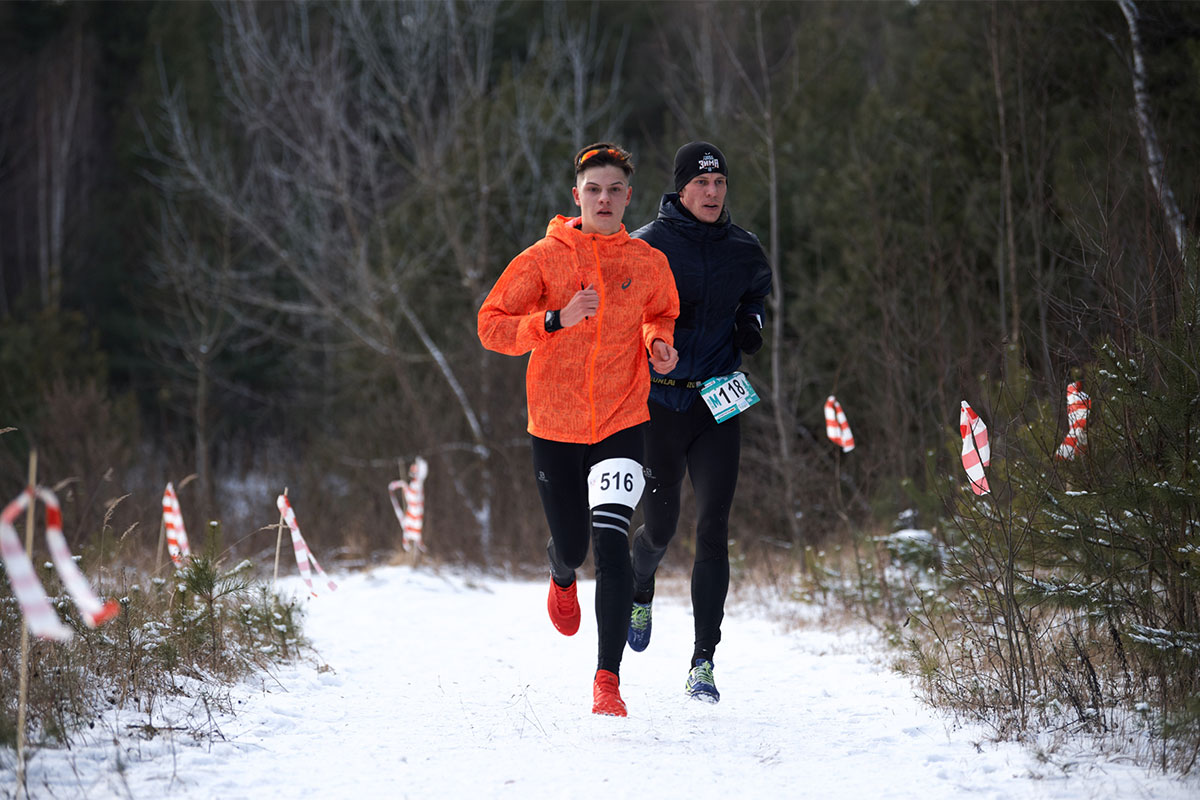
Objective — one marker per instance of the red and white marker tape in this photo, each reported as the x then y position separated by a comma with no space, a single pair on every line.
836,426
1078,405
177,541
976,453
303,555
35,605
412,515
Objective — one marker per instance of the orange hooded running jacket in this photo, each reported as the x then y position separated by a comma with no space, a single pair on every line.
586,382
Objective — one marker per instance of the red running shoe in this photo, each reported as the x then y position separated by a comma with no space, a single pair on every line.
563,606
606,697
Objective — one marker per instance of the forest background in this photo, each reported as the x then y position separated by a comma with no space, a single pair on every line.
242,248
247,242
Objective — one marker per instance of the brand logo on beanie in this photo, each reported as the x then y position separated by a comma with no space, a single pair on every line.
697,158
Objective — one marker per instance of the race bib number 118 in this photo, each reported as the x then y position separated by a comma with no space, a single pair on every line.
728,395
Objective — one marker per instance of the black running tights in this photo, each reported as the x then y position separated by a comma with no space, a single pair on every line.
691,442
562,470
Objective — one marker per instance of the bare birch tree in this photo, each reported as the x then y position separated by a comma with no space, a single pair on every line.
771,79
757,78
697,88
1008,247
374,142
1155,160
733,71
191,274
60,133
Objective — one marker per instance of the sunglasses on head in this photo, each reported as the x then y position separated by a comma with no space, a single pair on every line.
614,153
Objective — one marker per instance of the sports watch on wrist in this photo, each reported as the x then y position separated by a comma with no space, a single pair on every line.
553,323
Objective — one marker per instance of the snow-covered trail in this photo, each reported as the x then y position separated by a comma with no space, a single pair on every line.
451,686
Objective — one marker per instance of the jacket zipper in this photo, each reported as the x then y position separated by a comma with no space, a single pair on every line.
596,343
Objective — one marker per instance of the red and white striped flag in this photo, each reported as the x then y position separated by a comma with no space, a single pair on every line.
836,426
303,555
1078,405
35,605
412,515
976,453
177,541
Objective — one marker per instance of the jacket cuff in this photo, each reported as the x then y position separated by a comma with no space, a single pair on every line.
532,328
652,332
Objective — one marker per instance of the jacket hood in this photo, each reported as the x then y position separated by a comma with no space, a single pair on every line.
566,230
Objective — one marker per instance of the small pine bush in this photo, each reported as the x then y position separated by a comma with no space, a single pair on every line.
203,627
1073,590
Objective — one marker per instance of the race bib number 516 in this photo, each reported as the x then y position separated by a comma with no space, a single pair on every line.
728,395
615,480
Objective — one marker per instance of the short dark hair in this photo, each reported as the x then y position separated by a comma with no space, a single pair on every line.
602,154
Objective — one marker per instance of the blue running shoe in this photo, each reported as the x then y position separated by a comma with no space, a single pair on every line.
700,682
639,627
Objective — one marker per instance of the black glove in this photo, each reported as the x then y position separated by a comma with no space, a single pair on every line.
746,336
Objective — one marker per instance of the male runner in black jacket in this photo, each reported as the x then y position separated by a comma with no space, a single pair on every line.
722,277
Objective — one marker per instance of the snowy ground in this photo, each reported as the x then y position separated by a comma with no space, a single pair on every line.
449,686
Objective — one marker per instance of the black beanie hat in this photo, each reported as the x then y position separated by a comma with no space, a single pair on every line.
697,157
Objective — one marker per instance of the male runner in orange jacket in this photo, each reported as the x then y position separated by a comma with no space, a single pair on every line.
590,303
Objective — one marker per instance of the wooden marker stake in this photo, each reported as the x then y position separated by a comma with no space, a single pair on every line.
23,691
278,542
